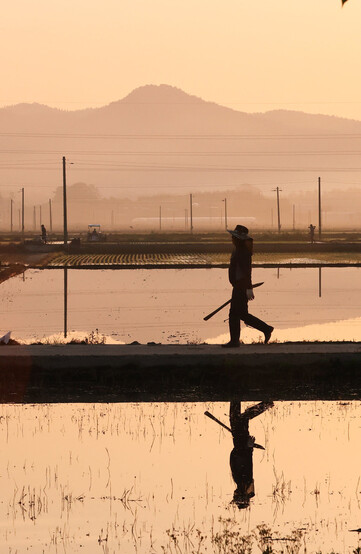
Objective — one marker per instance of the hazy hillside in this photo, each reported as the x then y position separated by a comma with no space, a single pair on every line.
159,140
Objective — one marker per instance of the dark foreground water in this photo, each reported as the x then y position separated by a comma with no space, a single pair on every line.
168,306
141,478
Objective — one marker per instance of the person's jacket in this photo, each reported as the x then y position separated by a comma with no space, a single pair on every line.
240,267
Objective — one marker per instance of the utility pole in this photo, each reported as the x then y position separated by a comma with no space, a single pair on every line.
65,216
65,302
11,214
319,209
278,190
225,213
191,210
34,218
160,218
50,216
22,212
40,216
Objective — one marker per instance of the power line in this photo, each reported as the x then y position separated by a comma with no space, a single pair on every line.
186,136
151,186
185,153
131,166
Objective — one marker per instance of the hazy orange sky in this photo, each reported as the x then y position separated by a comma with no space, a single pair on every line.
249,55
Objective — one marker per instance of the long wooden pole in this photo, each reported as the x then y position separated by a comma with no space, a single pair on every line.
319,209
191,210
64,204
50,216
22,212
65,302
211,416
207,317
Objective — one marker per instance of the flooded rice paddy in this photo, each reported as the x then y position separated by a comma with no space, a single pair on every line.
157,478
164,478
168,306
211,259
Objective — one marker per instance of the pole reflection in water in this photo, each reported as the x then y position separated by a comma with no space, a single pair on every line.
65,302
319,282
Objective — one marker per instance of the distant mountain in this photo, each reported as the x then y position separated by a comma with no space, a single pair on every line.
159,138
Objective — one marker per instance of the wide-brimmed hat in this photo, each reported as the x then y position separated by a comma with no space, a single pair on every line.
240,232
243,493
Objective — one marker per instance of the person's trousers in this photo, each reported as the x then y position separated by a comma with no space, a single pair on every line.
239,311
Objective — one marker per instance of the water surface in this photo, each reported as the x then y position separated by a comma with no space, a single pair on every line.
156,478
168,306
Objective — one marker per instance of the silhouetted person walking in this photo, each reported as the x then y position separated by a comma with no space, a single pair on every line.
43,233
239,274
241,458
312,233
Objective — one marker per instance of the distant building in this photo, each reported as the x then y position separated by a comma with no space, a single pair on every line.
211,223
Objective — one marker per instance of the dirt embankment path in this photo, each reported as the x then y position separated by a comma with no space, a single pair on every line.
10,271
173,373
13,263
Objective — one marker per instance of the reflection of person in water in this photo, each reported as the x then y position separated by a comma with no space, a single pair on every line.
241,458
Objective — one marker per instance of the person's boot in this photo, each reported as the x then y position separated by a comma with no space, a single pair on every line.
231,344
267,334
260,325
234,331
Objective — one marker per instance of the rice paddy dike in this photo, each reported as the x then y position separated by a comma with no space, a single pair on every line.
174,373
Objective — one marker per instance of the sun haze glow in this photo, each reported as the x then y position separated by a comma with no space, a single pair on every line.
251,56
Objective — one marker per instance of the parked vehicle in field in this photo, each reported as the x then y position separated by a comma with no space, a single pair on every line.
95,234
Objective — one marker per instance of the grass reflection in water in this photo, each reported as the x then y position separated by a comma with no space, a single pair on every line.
157,478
